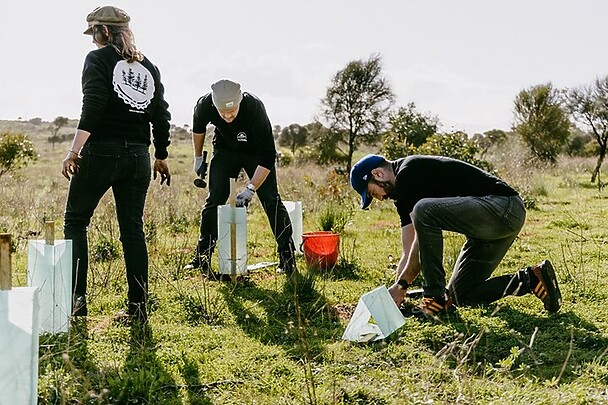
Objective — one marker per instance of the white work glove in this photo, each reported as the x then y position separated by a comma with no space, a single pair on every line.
198,162
244,197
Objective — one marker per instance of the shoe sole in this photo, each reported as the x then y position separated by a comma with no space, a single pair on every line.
547,289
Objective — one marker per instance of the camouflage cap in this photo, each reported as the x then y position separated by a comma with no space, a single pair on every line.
106,15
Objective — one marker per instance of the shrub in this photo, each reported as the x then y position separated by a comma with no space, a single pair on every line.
455,145
334,217
16,151
105,250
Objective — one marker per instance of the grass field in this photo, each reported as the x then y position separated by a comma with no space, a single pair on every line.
256,342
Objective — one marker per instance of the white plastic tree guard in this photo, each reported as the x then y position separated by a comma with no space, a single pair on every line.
49,267
294,209
232,236
19,325
379,305
232,239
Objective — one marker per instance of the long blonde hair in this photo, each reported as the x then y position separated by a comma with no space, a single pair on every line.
121,39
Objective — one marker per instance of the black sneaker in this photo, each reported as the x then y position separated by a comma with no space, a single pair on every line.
287,263
135,312
433,306
79,305
543,284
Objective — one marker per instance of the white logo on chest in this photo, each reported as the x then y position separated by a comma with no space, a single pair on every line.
133,84
241,137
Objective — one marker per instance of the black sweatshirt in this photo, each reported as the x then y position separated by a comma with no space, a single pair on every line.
420,176
250,131
121,100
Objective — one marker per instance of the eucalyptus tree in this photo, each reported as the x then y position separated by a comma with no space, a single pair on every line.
589,107
356,104
542,121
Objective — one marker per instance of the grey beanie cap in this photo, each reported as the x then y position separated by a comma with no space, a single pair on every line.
226,94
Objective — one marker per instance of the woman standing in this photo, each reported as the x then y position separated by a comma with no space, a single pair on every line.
122,96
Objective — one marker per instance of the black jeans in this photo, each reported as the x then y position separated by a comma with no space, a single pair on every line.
126,169
490,224
226,164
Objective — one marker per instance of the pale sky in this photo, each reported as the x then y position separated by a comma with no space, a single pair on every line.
463,61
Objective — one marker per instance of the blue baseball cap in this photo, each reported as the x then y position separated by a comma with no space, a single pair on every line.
360,175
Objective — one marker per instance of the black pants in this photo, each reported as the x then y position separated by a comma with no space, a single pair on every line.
126,169
226,164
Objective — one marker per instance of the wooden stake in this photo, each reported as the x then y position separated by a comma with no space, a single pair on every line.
49,232
5,262
233,260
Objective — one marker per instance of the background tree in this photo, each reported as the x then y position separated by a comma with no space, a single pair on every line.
179,133
293,137
408,129
456,145
276,131
581,143
56,126
485,141
322,146
589,107
15,152
356,104
542,121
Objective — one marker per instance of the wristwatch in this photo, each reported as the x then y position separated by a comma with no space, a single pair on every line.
251,187
402,284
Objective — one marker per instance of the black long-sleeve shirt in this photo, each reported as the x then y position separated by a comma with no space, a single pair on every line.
121,100
250,131
421,176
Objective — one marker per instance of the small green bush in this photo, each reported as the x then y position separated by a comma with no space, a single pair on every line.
334,217
16,151
105,250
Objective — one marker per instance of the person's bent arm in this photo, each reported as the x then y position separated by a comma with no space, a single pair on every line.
259,176
198,140
409,263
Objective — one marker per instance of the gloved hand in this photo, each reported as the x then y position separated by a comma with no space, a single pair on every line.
200,166
244,197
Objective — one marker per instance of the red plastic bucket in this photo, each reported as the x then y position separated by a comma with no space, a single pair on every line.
321,249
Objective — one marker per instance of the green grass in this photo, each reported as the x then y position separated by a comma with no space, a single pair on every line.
256,342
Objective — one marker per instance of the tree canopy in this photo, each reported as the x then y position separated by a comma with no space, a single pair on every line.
355,105
542,121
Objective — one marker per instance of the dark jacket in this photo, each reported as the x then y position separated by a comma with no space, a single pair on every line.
121,100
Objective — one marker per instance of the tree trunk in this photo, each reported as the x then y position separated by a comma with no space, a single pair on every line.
598,165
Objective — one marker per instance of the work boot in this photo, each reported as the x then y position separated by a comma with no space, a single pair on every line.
79,305
543,284
199,262
287,263
202,256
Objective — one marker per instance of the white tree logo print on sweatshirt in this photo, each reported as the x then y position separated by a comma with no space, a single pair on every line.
133,83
